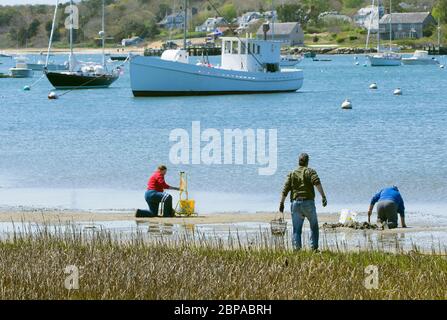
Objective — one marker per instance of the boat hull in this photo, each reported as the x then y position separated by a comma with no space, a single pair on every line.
384,62
21,73
152,76
61,80
419,62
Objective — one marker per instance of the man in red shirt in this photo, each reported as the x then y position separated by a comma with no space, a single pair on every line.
155,194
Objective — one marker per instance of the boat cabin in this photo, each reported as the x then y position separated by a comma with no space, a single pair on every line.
252,55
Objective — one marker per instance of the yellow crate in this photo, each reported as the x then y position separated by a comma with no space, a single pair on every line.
187,207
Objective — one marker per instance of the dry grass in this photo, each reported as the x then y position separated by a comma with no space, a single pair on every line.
32,267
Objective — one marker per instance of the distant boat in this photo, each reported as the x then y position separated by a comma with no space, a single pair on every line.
21,70
247,66
84,75
385,58
118,58
290,60
420,57
41,65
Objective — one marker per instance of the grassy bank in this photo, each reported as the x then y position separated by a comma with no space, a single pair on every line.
32,267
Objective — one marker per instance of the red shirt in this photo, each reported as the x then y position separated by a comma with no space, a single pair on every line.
157,182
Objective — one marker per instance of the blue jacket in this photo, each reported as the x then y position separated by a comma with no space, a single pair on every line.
392,194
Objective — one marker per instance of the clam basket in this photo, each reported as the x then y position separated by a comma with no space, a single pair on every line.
278,226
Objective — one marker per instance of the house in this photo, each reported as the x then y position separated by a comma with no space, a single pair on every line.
131,41
364,15
290,33
247,19
405,25
175,20
211,24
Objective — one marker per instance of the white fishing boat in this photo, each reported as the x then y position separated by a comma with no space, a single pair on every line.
247,66
385,58
21,70
420,57
290,60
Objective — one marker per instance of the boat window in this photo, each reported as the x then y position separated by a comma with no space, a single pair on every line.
249,48
227,47
235,48
243,47
259,49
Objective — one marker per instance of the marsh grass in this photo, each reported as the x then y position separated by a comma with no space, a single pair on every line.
192,266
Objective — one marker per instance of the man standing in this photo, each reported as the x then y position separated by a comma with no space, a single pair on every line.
155,195
389,204
300,183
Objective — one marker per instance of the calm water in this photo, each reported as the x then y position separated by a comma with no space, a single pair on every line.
94,149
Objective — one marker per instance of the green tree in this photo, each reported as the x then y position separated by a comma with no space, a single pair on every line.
292,12
228,11
33,28
440,10
353,3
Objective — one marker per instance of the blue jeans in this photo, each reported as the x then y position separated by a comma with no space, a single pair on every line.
153,199
302,209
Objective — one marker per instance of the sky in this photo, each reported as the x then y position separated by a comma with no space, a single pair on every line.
13,2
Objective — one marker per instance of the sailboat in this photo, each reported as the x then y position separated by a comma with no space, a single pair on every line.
386,58
83,75
247,66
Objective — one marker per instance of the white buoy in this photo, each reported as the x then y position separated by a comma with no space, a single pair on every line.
26,88
52,95
373,86
365,64
346,105
357,63
398,92
442,66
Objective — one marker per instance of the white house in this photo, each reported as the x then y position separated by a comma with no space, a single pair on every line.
247,19
175,20
363,17
211,24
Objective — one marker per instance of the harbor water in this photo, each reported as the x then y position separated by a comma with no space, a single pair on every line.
95,149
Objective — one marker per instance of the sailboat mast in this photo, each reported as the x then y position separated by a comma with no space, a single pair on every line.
370,24
273,20
185,23
439,34
103,32
50,42
378,31
71,36
391,25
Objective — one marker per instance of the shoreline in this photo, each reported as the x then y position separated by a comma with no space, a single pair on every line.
55,216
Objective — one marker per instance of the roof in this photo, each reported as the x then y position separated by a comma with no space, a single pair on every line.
284,28
413,17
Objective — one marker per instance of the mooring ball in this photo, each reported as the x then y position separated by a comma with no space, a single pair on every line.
26,88
52,95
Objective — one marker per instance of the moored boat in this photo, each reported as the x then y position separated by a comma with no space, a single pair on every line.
420,57
20,70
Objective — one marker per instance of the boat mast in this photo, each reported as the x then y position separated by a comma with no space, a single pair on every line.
391,25
273,20
71,37
439,34
50,42
378,31
103,33
185,23
370,24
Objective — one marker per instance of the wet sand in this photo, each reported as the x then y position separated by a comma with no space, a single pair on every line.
52,216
